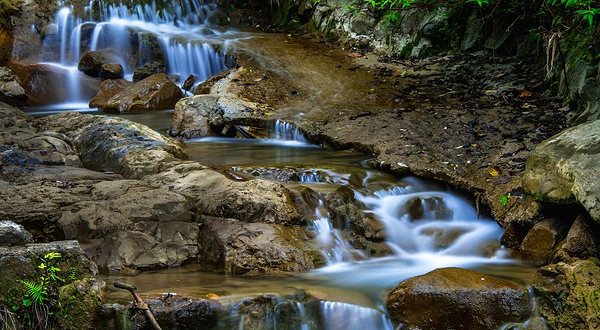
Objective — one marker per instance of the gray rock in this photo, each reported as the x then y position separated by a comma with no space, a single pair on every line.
564,168
455,298
204,115
147,70
13,234
10,88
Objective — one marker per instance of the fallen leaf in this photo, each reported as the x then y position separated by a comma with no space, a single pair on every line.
492,171
355,54
212,296
503,200
525,94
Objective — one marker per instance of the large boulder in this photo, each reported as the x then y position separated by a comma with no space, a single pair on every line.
92,61
239,248
156,92
79,294
108,89
205,115
571,300
564,168
47,84
455,298
11,90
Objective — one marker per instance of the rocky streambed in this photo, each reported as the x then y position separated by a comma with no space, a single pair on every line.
238,217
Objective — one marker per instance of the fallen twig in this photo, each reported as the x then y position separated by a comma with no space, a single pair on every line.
139,303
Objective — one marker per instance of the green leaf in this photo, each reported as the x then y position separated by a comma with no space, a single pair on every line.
503,200
26,303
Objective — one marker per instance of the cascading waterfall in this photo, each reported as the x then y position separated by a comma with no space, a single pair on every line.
343,316
287,132
177,33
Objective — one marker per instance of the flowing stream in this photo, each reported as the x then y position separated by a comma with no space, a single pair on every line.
425,225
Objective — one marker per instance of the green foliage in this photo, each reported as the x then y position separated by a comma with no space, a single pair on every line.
585,10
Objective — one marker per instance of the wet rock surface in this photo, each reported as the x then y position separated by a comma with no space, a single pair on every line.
111,71
148,70
539,242
563,169
108,89
92,62
241,248
157,92
569,300
144,206
455,298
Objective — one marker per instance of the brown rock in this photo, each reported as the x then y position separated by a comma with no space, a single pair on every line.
156,92
108,89
455,298
45,84
426,208
10,88
541,239
239,248
189,83
514,235
111,71
92,61
582,242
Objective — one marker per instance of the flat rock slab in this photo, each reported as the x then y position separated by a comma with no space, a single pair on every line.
456,298
564,168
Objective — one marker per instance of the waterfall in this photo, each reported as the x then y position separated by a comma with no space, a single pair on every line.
343,316
174,31
287,132
334,247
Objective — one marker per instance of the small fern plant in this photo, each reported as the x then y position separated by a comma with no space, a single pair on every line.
37,292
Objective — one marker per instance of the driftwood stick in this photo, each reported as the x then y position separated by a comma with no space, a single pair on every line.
139,303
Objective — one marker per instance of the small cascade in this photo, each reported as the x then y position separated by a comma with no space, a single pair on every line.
310,177
334,248
343,316
304,325
287,132
174,32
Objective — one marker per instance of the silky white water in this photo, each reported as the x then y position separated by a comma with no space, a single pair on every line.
178,33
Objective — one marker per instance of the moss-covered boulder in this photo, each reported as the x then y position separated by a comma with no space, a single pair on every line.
571,300
72,298
564,168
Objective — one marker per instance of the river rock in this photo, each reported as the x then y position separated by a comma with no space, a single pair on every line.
108,89
455,298
240,248
174,312
156,92
111,71
570,301
564,168
582,241
46,84
432,208
216,195
10,88
13,234
81,282
92,61
148,70
204,115
189,83
541,239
